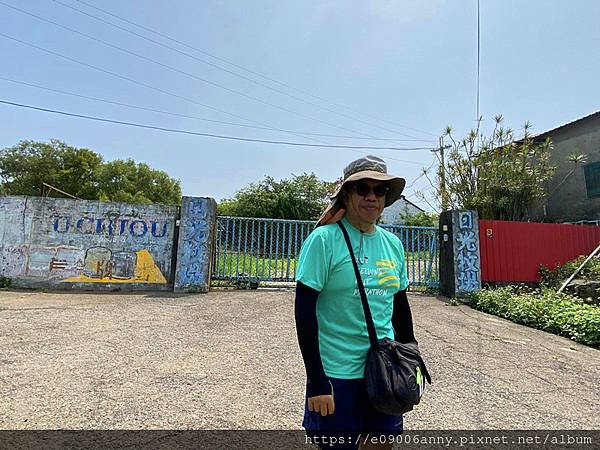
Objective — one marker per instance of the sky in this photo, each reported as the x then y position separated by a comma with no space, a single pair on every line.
376,73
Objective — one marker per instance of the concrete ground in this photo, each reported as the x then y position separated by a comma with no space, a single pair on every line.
229,360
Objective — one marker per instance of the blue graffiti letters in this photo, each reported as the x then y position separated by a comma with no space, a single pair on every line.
85,229
155,225
110,226
138,228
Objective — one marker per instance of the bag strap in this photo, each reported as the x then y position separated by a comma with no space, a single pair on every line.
363,295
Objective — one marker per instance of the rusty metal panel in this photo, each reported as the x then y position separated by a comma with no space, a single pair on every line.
514,251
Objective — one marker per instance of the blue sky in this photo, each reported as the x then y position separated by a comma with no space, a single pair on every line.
404,69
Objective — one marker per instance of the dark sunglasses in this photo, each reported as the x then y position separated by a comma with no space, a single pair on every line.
363,189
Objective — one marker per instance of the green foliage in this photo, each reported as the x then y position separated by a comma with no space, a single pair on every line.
545,310
302,197
126,181
554,278
5,282
420,219
83,173
498,176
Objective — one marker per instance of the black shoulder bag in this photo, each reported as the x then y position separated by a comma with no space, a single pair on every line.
393,371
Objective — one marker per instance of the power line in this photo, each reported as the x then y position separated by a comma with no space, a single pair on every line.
140,83
230,63
419,177
351,148
171,113
196,133
190,75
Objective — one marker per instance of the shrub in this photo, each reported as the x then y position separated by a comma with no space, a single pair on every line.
560,314
554,278
5,282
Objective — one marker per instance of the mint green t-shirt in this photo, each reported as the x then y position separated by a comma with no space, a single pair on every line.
325,265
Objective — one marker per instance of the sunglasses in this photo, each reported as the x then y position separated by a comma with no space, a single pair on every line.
363,189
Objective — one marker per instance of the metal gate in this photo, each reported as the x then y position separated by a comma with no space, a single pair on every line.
254,252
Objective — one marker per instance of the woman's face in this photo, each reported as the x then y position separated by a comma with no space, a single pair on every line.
364,209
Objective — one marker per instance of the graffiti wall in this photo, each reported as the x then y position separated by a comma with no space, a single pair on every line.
460,262
466,251
196,240
84,243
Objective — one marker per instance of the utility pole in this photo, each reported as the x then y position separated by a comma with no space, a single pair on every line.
443,177
442,172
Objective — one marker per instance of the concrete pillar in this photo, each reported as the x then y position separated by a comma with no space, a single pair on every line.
197,231
460,262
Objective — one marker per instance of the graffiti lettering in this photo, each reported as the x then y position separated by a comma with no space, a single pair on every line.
155,225
467,255
66,227
466,241
89,228
138,228
465,220
110,226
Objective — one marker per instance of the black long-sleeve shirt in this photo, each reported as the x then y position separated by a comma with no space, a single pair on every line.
307,328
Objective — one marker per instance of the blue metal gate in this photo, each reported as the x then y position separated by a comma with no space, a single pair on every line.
252,252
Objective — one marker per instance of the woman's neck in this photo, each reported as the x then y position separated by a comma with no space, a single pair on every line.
362,225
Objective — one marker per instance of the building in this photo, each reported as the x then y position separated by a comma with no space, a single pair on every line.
574,190
401,207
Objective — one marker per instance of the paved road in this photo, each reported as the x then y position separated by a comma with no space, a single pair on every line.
229,360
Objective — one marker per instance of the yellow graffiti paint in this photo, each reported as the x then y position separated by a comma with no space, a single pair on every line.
146,268
146,271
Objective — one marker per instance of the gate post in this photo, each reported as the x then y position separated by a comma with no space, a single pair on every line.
460,262
197,231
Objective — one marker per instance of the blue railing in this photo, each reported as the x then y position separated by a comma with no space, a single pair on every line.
251,251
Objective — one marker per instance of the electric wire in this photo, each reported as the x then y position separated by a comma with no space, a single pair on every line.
186,116
420,176
189,132
352,148
182,72
233,64
140,83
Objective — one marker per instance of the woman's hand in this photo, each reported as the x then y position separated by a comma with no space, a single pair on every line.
323,404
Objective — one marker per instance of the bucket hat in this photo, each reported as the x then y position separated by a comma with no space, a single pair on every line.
368,167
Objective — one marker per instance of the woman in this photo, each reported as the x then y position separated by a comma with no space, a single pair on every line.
330,322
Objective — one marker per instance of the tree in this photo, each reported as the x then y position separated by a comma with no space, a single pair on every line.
496,175
303,197
126,181
26,166
420,219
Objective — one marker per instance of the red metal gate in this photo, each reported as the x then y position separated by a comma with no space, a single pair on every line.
514,251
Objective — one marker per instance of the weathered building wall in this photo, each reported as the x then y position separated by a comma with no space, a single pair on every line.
568,199
393,213
63,243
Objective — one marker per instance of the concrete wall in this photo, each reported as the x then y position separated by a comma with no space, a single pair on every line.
196,244
63,243
460,260
569,202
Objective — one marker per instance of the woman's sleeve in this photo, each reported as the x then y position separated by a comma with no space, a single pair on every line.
402,319
314,261
307,328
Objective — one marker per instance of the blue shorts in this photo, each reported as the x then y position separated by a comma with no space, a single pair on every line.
353,417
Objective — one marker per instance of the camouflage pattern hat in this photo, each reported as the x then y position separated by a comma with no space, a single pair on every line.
368,167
